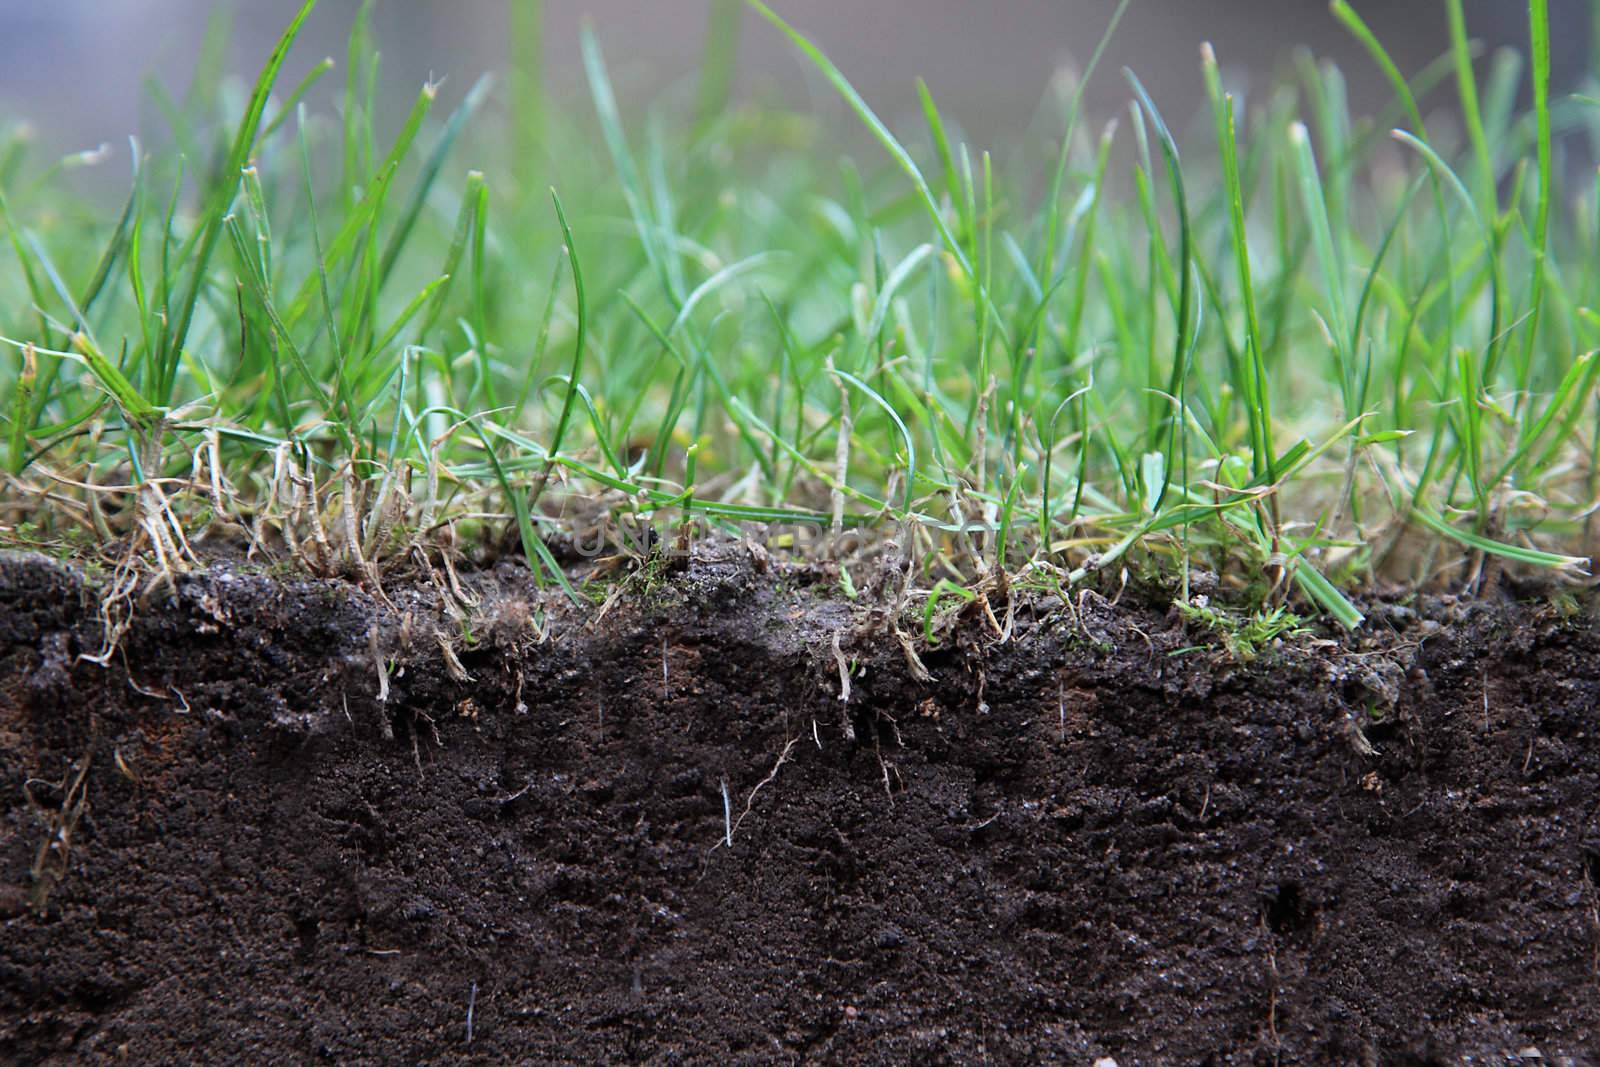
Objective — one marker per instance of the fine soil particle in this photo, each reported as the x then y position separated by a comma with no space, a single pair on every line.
1093,838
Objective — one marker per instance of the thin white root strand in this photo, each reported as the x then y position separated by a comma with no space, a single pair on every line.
727,816
730,824
378,662
844,670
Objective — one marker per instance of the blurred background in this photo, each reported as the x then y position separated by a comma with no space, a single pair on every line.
74,68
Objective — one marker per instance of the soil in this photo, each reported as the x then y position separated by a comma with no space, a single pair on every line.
1100,836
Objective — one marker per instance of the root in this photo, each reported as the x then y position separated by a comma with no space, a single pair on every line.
884,767
448,600
666,683
731,826
844,670
116,610
913,662
844,691
50,865
1272,994
378,663
452,664
466,599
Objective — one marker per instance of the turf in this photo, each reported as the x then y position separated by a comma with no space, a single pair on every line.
1300,350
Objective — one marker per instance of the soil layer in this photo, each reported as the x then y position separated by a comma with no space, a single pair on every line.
660,836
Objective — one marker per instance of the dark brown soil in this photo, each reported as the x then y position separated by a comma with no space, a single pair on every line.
1080,842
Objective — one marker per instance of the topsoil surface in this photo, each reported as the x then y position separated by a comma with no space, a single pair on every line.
1098,837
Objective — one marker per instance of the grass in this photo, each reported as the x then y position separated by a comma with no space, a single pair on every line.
1243,637
1296,349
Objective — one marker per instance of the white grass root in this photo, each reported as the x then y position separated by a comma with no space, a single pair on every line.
727,816
914,663
730,824
844,669
379,663
452,663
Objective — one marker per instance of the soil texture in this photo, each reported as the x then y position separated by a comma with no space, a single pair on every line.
737,818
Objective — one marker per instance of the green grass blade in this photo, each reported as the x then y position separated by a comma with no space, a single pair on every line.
1472,114
431,167
1539,37
291,103
576,371
1333,272
896,150
1255,389
941,143
221,194
1178,383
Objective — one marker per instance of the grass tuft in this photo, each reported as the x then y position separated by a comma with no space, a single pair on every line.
1285,367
